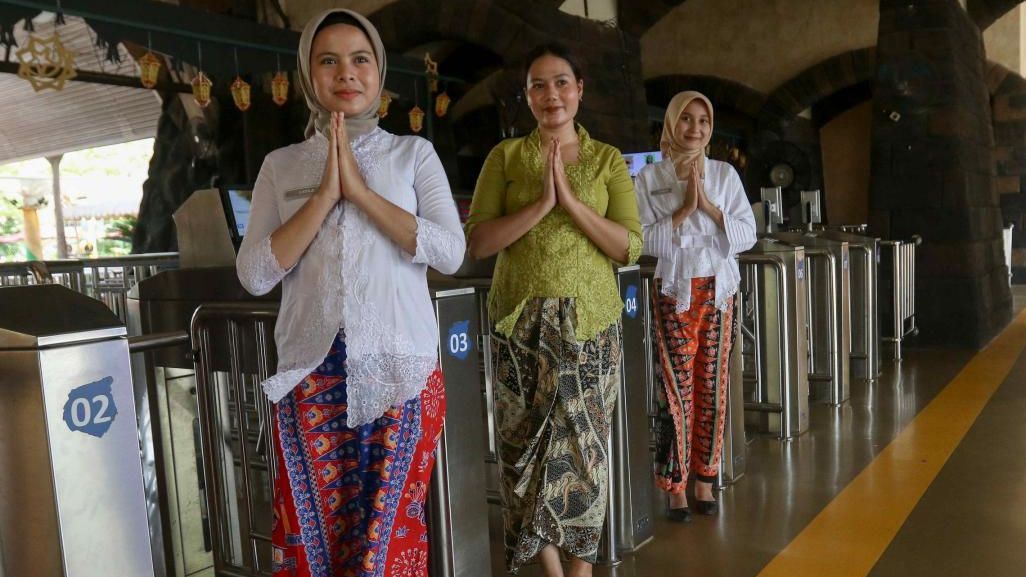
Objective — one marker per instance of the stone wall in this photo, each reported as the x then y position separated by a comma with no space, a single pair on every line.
932,171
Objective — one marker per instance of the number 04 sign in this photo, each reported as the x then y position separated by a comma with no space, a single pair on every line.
90,408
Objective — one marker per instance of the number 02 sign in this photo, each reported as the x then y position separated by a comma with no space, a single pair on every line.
90,409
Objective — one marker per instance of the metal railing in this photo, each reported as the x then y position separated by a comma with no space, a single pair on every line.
236,431
898,291
104,279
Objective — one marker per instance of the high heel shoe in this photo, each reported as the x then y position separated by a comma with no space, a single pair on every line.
707,507
682,515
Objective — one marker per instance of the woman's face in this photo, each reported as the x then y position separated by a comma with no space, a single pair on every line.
344,70
553,91
694,125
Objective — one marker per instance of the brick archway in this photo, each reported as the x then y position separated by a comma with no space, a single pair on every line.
614,111
722,92
817,83
986,12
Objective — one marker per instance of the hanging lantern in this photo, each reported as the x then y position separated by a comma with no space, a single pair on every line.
386,101
280,88
149,70
416,119
240,93
45,63
442,102
201,89
431,70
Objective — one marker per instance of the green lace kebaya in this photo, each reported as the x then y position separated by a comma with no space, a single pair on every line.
555,258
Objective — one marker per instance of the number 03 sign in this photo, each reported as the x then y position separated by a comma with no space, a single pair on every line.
90,408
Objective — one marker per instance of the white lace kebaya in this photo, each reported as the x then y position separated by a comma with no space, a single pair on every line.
698,247
353,277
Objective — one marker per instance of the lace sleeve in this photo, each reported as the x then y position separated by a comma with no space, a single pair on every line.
440,240
438,247
258,268
634,244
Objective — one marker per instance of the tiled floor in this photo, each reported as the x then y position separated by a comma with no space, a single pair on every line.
971,520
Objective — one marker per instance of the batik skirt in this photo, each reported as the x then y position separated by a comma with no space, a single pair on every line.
350,502
554,401
692,353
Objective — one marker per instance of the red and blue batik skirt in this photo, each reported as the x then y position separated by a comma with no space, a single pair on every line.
351,501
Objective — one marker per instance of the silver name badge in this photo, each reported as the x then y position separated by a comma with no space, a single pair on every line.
299,192
662,191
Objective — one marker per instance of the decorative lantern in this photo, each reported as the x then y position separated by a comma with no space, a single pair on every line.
201,89
280,88
386,101
442,102
149,70
416,119
431,70
240,93
45,63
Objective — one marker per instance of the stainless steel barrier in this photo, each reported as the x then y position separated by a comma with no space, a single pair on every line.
67,273
734,452
898,290
167,407
105,279
865,319
71,487
110,279
629,517
238,462
236,428
829,315
775,338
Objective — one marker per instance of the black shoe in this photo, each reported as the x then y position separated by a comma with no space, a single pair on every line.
679,515
707,507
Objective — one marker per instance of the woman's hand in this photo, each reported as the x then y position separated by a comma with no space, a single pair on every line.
330,190
692,193
548,198
351,181
704,204
695,189
564,192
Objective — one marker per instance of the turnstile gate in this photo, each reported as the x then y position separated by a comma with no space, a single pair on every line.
775,338
239,464
829,314
71,486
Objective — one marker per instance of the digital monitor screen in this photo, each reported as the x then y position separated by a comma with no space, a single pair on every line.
637,160
239,200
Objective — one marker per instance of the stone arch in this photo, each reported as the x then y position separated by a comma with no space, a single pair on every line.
722,92
614,112
1000,79
986,12
819,82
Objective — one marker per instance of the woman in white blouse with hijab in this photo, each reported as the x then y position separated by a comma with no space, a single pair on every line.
348,221
695,218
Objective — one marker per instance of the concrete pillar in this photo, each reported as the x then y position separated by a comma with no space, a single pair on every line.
58,208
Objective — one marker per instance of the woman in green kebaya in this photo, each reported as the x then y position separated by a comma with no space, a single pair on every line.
559,209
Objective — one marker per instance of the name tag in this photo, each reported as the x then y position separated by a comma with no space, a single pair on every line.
662,191
299,193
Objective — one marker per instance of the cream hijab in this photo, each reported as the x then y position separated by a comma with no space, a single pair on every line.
673,145
320,117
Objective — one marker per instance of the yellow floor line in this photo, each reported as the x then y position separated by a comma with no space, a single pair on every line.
848,537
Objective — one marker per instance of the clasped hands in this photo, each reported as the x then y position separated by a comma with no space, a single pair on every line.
341,178
695,197
556,189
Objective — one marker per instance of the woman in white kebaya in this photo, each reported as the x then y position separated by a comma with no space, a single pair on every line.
348,221
695,219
